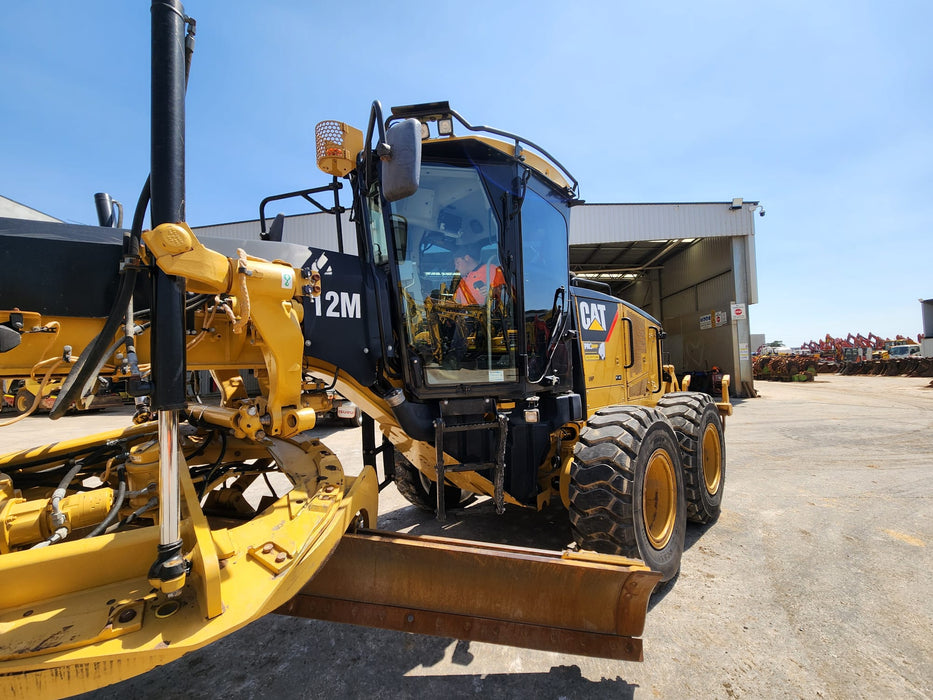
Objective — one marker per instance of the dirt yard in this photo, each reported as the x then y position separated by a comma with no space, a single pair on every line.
815,582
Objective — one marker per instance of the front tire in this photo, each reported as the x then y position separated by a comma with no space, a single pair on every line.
421,491
703,450
627,488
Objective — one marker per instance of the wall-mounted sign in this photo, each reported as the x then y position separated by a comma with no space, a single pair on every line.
706,321
738,312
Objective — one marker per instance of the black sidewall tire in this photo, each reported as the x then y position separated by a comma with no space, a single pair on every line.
708,505
666,560
607,483
691,413
409,483
23,400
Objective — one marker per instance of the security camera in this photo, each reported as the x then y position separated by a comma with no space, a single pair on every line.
761,212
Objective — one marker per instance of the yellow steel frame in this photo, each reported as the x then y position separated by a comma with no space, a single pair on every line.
81,614
267,296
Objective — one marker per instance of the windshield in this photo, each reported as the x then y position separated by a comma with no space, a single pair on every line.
459,311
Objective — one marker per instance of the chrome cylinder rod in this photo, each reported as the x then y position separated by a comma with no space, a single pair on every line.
169,492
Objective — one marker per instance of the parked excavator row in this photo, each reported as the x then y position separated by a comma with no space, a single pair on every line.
513,381
870,355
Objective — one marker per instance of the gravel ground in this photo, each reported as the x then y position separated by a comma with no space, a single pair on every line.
813,583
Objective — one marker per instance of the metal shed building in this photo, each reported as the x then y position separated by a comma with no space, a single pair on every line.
12,209
691,265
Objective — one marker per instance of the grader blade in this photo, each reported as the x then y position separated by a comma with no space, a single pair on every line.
572,602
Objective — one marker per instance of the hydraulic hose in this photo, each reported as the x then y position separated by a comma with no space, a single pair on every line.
114,510
149,505
95,355
56,517
93,359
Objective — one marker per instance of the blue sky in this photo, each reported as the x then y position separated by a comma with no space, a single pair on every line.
822,111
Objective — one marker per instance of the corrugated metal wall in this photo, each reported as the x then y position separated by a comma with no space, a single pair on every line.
691,297
704,260
604,223
697,288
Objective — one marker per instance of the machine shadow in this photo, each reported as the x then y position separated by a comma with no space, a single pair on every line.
548,528
295,658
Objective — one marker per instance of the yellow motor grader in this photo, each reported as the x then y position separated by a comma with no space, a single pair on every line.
122,551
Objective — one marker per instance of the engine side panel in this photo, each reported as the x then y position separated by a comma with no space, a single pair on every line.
618,351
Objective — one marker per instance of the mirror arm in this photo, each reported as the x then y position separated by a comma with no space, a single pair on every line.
382,148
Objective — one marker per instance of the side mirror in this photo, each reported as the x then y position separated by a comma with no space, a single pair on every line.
9,339
401,169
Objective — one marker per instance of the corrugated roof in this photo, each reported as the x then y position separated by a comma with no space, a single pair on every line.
14,210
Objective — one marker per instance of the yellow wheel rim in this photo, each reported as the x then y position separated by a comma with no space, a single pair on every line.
660,499
22,403
712,459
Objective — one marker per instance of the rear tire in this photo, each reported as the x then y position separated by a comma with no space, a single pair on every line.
422,492
627,488
703,450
